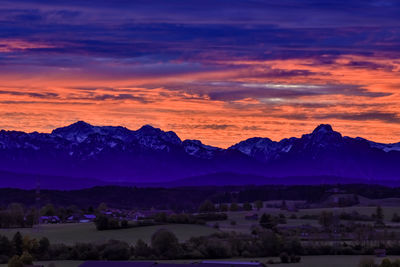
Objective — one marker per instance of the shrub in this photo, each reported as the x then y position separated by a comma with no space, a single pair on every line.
124,224
207,206
247,206
15,262
367,262
267,221
386,263
165,243
270,261
295,258
142,250
26,258
116,250
215,248
284,257
3,259
396,263
396,218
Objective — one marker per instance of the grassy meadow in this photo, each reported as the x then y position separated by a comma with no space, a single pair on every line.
306,261
86,232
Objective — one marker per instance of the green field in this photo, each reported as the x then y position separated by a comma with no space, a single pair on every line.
243,225
87,233
306,261
57,263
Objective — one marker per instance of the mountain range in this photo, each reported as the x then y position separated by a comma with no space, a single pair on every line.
82,155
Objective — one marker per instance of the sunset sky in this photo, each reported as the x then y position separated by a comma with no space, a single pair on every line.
215,70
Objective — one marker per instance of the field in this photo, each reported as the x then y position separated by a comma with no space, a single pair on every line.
243,225
306,261
86,232
57,263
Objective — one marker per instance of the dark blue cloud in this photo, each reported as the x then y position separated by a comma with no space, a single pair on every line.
191,29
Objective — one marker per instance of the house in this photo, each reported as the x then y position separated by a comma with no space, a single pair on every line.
49,219
156,264
341,200
380,252
73,219
87,218
251,216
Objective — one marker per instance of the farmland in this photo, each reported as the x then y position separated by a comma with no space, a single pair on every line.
86,232
307,261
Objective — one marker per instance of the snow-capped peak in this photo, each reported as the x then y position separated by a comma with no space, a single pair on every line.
198,149
77,131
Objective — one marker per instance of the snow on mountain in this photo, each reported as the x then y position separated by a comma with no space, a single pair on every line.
265,149
260,148
385,147
198,149
108,152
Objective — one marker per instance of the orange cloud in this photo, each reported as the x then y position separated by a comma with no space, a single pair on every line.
288,104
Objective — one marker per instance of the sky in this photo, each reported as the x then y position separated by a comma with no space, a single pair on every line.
219,71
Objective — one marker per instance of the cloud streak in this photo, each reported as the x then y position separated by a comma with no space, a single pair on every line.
219,71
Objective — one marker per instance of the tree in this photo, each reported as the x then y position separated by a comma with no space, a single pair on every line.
116,250
48,210
31,217
367,262
16,212
102,207
161,217
142,249
15,262
30,245
283,205
234,207
223,207
267,221
215,248
26,258
44,245
379,215
386,263
326,219
101,223
258,204
395,218
207,206
247,206
165,243
18,243
284,257
6,247
270,243
124,224
396,263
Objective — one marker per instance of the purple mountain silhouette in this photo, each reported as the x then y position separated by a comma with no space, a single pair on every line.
150,155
